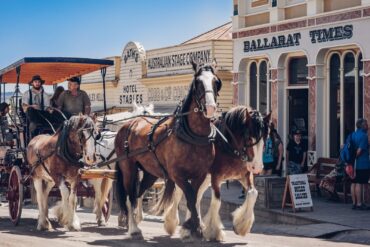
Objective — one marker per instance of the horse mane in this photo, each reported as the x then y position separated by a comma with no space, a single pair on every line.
73,124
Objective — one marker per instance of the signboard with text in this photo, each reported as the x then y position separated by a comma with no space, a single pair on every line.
297,192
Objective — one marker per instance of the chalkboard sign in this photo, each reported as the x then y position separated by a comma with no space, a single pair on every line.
298,189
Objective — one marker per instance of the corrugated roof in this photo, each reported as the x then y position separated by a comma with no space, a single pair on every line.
219,33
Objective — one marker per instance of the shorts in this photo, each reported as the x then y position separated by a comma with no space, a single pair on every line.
268,166
362,177
294,168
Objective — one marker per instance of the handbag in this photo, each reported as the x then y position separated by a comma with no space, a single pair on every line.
350,171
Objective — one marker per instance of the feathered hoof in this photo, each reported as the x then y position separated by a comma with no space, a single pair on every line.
101,222
170,225
136,236
214,235
186,236
44,226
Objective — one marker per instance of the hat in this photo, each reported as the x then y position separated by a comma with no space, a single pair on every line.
3,105
37,78
75,79
297,132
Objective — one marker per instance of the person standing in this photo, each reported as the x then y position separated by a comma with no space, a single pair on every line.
6,132
74,101
296,154
278,150
362,164
268,155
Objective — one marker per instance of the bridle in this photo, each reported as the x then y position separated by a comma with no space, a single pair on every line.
241,153
201,104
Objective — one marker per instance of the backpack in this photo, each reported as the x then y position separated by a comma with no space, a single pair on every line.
348,152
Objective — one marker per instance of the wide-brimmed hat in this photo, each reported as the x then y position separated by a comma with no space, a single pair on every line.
75,79
297,132
37,78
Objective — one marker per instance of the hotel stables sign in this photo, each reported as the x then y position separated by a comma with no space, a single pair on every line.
288,40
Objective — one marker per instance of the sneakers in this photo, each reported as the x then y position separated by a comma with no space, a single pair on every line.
361,207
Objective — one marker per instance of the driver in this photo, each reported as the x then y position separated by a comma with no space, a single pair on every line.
35,102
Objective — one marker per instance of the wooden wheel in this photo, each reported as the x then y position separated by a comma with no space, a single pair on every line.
15,195
107,207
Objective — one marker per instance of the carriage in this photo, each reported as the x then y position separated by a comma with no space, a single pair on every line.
15,173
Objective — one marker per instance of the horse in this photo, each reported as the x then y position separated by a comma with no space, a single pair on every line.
105,151
55,160
238,126
177,148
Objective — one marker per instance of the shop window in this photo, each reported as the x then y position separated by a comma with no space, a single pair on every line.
260,86
351,81
263,87
253,85
298,71
334,105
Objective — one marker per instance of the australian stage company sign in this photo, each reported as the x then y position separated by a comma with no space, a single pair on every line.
179,60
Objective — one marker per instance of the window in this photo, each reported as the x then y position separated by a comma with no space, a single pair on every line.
345,97
298,71
259,86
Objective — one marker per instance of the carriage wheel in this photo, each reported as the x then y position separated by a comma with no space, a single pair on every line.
107,207
15,195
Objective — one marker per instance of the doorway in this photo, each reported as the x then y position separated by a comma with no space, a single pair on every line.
298,112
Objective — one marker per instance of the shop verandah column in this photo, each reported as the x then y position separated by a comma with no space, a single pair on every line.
312,113
367,91
235,89
274,96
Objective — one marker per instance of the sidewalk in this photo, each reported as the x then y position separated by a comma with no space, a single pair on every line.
326,220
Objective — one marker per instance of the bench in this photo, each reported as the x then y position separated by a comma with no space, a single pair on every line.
320,169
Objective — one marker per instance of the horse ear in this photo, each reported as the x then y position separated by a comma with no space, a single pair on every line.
195,66
150,107
134,106
267,118
94,116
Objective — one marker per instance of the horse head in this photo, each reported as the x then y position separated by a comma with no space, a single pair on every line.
257,131
205,87
80,133
247,132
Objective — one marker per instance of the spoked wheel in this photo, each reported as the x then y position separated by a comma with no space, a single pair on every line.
107,207
15,195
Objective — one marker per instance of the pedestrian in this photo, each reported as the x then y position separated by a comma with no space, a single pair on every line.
362,164
296,154
278,151
54,99
268,155
74,100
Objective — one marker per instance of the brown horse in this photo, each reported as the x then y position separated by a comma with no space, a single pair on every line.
176,148
54,160
242,128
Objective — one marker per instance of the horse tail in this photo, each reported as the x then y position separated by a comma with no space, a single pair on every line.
165,198
121,192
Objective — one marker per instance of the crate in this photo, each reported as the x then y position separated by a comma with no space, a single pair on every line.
270,191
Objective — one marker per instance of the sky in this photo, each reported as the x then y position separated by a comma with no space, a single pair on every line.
101,28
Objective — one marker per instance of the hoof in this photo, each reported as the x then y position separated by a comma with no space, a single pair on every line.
43,227
101,223
197,233
136,236
185,235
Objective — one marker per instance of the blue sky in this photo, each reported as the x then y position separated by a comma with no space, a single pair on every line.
101,28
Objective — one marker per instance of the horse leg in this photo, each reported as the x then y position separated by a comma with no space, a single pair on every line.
74,221
201,191
48,186
147,181
243,217
61,208
213,226
171,214
97,183
43,223
192,225
129,182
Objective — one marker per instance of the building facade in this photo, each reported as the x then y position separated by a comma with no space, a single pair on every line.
307,61
163,76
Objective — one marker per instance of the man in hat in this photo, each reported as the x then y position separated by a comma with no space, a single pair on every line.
35,102
6,132
296,153
74,100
